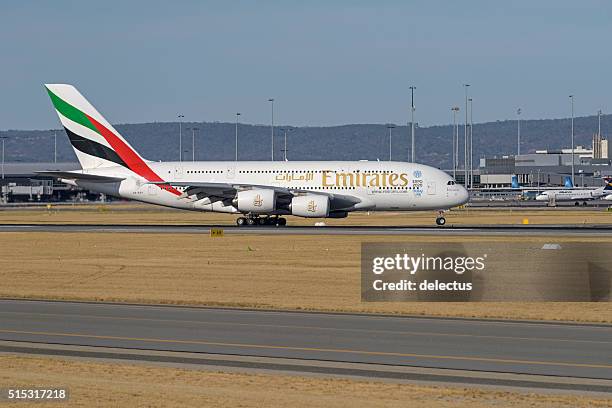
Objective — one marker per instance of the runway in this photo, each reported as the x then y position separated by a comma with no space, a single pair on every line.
600,230
503,353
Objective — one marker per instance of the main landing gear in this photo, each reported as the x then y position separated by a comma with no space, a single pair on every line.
440,220
251,220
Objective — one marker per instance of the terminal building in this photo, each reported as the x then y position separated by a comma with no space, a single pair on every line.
549,167
20,183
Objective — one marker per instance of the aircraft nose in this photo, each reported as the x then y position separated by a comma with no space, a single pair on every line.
463,196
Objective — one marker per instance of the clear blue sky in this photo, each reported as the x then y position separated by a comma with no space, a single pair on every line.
325,62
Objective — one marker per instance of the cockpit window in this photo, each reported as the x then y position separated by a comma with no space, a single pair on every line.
450,183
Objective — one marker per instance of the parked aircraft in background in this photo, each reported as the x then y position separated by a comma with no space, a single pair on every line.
578,194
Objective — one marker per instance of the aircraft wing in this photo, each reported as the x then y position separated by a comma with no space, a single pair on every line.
227,191
80,176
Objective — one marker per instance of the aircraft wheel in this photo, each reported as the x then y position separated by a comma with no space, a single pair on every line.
262,221
576,204
282,222
241,221
250,221
584,204
440,220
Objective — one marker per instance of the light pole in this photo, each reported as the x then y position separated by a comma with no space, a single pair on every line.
55,146
465,136
3,139
236,141
471,152
455,109
180,118
572,125
518,131
390,127
3,195
271,100
412,144
193,131
285,149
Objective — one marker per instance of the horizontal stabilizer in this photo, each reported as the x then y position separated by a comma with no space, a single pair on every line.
94,178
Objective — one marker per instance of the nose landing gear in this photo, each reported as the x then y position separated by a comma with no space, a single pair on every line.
440,220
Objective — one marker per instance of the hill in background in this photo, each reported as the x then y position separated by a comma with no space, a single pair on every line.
215,141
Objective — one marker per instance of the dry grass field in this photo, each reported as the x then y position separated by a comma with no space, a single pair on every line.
130,385
276,271
280,272
148,214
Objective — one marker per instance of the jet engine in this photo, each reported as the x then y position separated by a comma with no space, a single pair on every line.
258,200
310,205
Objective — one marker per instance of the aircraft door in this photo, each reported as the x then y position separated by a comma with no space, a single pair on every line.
230,171
370,189
431,187
178,172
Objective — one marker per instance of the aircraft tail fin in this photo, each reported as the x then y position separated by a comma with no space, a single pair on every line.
95,141
568,182
515,183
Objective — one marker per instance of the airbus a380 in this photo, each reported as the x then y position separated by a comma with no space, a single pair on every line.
260,192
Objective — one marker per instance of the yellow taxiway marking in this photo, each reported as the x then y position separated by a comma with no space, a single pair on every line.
381,331
317,349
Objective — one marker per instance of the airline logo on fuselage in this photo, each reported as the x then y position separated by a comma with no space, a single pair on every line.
257,201
365,179
331,178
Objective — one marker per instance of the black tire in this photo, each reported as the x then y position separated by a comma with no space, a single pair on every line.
240,221
250,221
584,204
440,220
282,222
262,221
576,204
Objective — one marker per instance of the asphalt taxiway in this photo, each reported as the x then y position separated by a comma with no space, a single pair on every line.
599,230
504,353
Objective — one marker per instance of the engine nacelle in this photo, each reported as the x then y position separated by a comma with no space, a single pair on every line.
258,200
310,205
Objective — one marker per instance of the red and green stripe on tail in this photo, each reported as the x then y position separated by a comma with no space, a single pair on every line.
128,157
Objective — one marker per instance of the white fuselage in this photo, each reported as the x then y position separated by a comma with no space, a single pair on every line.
378,186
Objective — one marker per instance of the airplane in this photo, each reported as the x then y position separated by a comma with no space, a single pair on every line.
578,194
530,193
260,192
